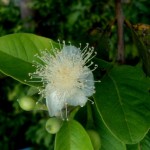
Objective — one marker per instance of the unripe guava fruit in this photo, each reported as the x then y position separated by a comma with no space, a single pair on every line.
27,103
53,125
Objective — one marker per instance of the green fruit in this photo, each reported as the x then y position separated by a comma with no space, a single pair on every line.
27,103
53,125
95,139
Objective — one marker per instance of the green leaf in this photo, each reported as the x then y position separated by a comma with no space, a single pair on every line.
145,143
109,142
72,136
133,147
2,75
17,53
102,64
123,101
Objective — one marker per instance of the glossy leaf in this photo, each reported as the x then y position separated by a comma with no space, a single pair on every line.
72,136
108,141
17,54
102,64
133,147
145,143
123,100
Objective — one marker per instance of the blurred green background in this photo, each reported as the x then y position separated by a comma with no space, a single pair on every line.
76,21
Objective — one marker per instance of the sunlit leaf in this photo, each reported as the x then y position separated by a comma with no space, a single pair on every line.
17,53
123,101
141,27
72,136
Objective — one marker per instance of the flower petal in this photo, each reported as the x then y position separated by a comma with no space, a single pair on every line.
54,104
89,84
71,50
78,98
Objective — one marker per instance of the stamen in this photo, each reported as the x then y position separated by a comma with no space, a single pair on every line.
85,48
90,64
92,102
69,43
92,56
79,45
95,67
64,44
59,45
66,111
88,57
92,81
61,115
84,51
33,81
52,45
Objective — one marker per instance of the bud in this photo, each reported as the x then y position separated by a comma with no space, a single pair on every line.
27,103
53,125
95,139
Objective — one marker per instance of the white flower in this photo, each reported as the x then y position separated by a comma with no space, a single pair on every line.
66,76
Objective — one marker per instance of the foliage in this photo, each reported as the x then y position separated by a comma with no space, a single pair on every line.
121,113
72,20
118,95
9,22
73,136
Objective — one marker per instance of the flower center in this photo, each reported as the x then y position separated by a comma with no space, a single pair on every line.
65,76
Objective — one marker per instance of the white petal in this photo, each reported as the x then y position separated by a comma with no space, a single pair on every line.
78,98
89,84
71,50
54,104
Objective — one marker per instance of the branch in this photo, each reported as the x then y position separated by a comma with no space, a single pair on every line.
120,21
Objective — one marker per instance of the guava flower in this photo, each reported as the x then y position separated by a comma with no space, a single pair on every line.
66,77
